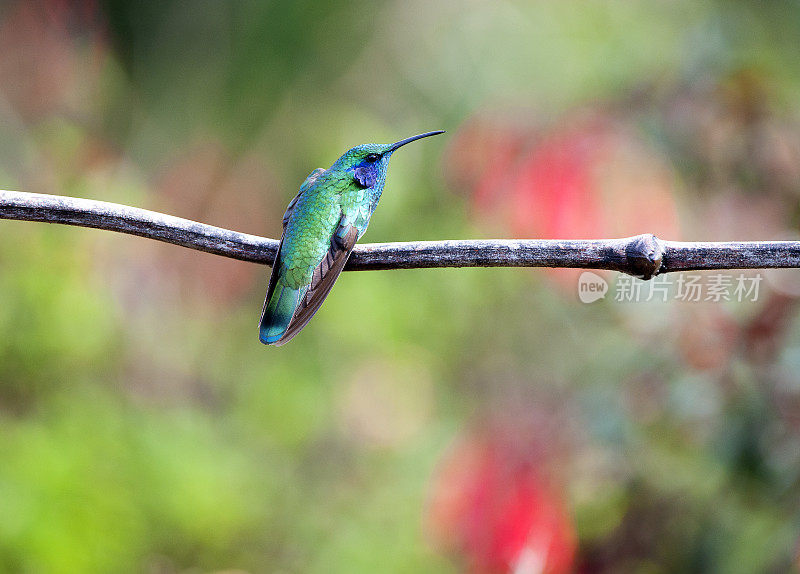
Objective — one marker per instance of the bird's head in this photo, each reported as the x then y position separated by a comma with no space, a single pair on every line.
367,163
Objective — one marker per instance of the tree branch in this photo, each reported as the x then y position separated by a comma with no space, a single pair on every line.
642,255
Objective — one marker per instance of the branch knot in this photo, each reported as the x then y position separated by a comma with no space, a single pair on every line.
644,254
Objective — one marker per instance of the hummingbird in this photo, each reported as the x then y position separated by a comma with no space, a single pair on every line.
320,228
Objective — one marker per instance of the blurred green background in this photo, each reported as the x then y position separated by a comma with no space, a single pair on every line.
476,420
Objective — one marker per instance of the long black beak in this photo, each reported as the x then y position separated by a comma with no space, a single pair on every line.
394,146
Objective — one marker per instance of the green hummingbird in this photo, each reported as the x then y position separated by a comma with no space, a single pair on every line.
320,228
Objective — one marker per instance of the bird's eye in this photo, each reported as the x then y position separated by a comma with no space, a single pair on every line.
373,157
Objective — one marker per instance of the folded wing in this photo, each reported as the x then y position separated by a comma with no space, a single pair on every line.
287,310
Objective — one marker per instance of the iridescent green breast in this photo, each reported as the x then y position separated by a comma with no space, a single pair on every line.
309,229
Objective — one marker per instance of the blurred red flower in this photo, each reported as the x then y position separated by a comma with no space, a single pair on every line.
589,176
491,506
